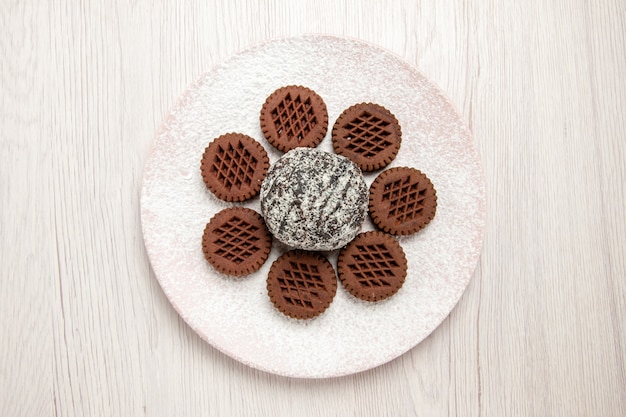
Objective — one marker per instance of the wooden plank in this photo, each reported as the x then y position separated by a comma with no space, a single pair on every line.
86,329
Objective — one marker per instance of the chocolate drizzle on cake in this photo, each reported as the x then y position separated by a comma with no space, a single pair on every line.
314,200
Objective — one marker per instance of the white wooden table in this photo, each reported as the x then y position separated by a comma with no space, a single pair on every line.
86,329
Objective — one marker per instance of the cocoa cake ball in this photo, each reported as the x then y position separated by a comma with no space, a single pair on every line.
314,200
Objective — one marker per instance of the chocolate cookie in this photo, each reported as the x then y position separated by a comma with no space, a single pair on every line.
233,167
294,116
301,284
368,134
236,241
314,200
373,266
402,201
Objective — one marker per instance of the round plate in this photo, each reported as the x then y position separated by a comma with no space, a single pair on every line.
235,315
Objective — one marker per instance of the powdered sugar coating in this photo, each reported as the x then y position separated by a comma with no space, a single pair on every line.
236,316
314,200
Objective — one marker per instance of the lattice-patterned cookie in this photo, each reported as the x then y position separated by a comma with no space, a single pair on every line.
234,166
301,284
368,134
294,116
373,266
236,241
402,201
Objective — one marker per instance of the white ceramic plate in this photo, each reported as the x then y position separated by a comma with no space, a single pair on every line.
235,315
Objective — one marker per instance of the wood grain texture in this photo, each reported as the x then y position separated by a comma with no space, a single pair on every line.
86,330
